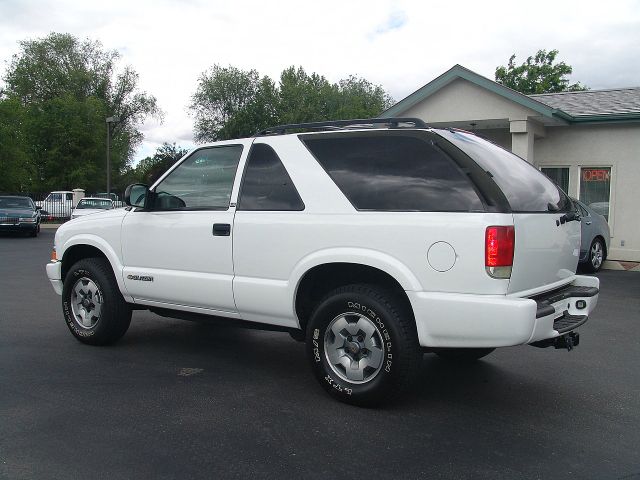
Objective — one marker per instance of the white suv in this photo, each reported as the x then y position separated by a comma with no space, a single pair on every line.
373,240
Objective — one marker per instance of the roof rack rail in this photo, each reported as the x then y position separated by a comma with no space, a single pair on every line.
342,124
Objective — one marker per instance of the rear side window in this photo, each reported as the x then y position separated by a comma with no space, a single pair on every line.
393,171
527,190
266,184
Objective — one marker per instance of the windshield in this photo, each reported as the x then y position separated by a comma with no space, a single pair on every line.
95,203
525,187
15,202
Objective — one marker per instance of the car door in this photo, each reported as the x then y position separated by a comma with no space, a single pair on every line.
179,252
588,231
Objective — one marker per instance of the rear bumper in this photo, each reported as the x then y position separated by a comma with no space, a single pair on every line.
472,321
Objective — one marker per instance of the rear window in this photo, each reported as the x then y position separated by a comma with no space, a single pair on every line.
393,171
526,189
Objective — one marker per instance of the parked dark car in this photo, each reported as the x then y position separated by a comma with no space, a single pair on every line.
595,238
19,214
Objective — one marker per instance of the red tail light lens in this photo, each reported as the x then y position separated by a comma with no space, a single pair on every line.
498,250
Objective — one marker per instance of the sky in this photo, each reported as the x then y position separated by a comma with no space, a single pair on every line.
400,45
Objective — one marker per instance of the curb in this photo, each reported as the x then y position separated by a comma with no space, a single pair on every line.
50,225
620,265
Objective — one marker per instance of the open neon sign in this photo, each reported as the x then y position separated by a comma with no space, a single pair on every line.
596,175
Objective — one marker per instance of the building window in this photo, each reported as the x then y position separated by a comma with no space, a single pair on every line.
595,188
560,175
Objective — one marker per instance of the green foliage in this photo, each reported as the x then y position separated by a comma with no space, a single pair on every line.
63,89
232,103
538,75
15,170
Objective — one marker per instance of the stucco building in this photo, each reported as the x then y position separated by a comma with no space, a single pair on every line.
588,142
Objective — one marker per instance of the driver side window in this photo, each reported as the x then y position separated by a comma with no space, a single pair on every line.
202,182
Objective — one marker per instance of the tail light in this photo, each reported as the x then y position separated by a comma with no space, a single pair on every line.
499,245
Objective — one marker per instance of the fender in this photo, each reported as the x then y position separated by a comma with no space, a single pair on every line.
361,256
107,250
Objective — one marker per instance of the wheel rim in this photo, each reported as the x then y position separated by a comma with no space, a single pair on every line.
86,303
354,348
596,254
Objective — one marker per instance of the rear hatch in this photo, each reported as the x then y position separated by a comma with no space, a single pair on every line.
547,230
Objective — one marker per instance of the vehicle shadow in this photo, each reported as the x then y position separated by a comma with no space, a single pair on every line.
276,357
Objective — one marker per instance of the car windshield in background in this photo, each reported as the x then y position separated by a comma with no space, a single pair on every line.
15,202
95,203
527,190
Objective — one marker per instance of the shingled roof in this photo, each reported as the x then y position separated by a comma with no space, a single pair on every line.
614,105
617,101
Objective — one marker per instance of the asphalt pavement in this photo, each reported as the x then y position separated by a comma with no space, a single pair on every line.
178,399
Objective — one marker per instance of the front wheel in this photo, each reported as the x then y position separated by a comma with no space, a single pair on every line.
362,345
92,304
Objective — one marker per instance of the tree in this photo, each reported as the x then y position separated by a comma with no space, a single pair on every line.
538,75
231,103
66,88
15,170
149,169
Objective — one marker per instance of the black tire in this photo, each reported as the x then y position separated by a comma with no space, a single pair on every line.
463,355
394,329
35,231
593,263
115,314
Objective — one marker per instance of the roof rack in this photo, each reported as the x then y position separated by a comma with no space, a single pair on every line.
343,124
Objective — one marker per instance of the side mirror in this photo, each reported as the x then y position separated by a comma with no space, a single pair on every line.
137,195
38,208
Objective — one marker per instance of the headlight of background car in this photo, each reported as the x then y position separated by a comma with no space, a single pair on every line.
27,219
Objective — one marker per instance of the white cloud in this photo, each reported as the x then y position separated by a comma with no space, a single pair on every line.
398,44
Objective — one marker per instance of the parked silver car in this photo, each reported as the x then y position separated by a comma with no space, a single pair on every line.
595,238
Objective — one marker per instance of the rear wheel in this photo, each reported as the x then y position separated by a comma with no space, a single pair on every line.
92,304
463,355
596,256
362,345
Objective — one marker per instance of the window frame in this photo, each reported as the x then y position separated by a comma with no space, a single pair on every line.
169,172
244,176
567,167
609,217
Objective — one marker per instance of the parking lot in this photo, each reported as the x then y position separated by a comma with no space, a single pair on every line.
177,399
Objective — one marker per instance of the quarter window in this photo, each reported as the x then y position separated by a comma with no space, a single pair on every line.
394,171
266,184
202,182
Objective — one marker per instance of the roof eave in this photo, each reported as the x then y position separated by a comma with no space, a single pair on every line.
458,71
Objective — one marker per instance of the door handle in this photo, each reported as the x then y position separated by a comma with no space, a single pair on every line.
588,223
221,229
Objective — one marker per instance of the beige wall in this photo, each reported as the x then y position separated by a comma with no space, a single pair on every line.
464,101
615,146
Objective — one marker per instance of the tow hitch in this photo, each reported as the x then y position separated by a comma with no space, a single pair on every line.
568,341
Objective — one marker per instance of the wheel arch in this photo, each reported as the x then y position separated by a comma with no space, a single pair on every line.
322,278
90,246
